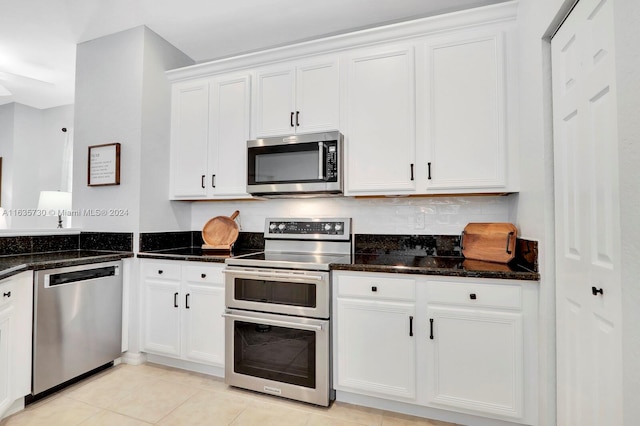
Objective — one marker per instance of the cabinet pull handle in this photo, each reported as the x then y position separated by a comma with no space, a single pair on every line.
429,171
431,328
374,288
202,182
461,238
595,291
160,272
411,171
411,326
291,119
508,241
186,301
175,300
297,118
473,296
213,181
7,294
203,275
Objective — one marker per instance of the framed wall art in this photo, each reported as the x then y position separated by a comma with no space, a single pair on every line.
104,165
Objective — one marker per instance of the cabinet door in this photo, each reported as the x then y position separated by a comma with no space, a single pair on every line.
275,101
229,132
379,132
317,96
5,367
203,332
189,139
161,322
476,361
466,126
375,348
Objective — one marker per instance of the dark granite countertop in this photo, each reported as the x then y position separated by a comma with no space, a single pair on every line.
193,254
436,265
13,264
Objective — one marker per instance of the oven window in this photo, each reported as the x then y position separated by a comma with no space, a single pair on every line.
282,354
279,293
285,164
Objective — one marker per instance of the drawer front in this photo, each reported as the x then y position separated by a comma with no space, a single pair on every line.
204,274
377,287
165,271
476,294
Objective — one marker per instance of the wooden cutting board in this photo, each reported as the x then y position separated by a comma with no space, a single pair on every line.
220,232
493,242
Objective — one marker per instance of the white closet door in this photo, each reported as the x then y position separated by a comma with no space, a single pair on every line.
588,284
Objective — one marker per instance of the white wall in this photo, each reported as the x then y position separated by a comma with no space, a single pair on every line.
122,95
31,145
442,215
627,17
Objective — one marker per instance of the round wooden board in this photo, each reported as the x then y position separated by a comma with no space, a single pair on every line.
221,231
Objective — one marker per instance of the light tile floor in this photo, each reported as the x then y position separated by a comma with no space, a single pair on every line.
127,395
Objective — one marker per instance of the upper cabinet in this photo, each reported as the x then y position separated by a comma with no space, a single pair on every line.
426,107
380,117
463,116
210,126
300,97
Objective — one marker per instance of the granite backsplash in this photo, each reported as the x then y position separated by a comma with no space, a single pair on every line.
107,241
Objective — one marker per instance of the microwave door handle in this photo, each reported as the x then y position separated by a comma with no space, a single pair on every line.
321,161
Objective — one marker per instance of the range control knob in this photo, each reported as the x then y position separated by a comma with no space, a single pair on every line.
338,227
272,226
281,227
327,227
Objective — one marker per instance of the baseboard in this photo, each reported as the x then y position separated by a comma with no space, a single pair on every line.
133,358
210,370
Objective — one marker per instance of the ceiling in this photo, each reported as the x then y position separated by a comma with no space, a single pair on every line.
38,37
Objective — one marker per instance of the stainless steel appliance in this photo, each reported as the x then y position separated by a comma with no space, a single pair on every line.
277,327
309,164
77,323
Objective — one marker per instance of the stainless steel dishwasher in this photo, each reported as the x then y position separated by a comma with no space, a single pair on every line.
77,323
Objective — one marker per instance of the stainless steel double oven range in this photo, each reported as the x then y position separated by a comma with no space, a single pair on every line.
277,321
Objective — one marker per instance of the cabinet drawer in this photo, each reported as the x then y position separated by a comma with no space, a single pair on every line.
481,295
204,274
165,271
377,287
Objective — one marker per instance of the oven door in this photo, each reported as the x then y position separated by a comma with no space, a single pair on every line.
291,292
278,355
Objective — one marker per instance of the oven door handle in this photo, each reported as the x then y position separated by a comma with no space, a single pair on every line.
275,275
308,327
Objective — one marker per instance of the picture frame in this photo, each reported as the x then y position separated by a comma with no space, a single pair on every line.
103,165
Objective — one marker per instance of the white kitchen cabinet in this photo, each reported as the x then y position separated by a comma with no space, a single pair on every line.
182,310
16,302
210,126
298,97
380,121
375,346
460,344
464,119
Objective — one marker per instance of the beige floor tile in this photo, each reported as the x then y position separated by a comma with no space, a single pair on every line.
207,408
154,400
323,420
107,391
397,419
264,414
109,418
60,411
355,413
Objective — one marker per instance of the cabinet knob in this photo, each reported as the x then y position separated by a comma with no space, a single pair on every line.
7,294
473,296
160,271
203,275
595,291
374,288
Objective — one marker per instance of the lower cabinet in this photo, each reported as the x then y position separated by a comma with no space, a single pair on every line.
182,306
16,302
459,344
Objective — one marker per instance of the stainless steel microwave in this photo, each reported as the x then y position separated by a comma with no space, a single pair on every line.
300,165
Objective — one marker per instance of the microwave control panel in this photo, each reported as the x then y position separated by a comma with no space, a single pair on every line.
331,161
